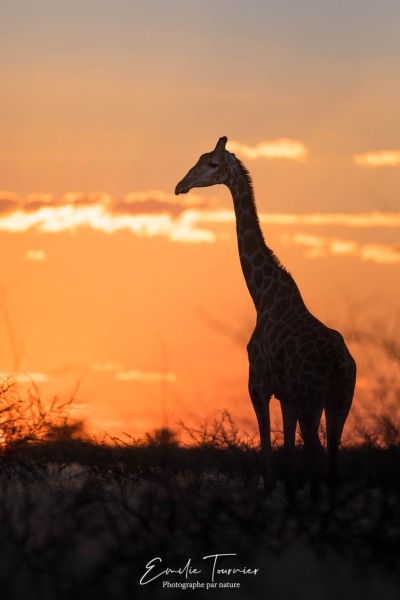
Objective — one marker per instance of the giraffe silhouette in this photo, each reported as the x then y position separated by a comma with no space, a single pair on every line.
292,355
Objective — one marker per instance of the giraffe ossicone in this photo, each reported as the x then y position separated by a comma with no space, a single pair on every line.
292,355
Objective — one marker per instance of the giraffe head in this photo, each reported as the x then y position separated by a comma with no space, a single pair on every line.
210,169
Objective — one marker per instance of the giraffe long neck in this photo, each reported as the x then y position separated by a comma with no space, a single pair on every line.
257,260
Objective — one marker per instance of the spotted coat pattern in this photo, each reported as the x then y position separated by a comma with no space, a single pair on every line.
292,355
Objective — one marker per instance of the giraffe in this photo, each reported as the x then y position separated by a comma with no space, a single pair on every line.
292,355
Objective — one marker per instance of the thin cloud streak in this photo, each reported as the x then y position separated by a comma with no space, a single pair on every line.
24,377
322,247
105,367
149,376
273,149
122,374
357,220
378,158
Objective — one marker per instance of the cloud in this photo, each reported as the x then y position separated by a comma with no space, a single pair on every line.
83,199
34,202
24,377
122,374
353,220
9,202
36,255
106,367
149,376
187,219
321,247
159,203
145,214
357,220
378,158
380,254
7,206
280,148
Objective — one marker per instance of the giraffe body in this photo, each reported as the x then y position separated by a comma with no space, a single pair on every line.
292,355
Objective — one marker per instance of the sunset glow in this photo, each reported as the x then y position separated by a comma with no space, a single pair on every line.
116,291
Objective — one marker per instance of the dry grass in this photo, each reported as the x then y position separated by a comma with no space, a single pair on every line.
81,518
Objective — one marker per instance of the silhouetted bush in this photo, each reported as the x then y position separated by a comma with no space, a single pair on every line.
80,518
26,418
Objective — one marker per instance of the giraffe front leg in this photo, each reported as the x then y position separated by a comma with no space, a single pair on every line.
289,432
260,399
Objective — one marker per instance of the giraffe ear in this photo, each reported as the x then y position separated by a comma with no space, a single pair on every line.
220,147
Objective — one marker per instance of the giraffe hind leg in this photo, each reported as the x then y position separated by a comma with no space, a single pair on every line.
335,420
336,412
309,424
289,432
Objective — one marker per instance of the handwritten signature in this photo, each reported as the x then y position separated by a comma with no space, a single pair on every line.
187,570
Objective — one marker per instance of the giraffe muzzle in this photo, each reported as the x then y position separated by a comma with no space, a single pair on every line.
181,188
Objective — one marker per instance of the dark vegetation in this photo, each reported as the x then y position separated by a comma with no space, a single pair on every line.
80,517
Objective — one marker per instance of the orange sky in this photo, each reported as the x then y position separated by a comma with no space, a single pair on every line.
110,279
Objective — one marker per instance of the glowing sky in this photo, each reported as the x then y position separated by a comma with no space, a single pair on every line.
107,277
